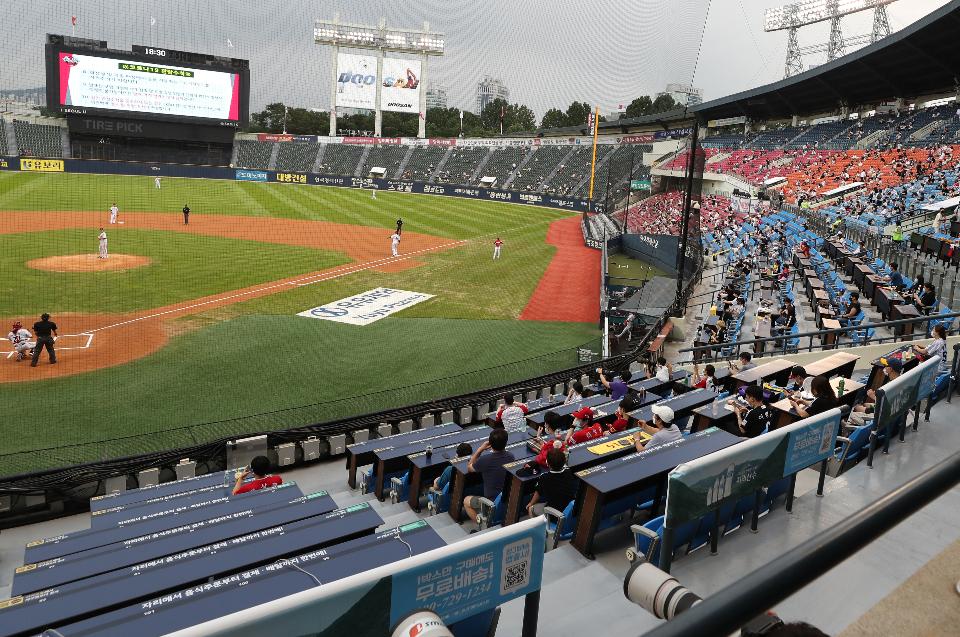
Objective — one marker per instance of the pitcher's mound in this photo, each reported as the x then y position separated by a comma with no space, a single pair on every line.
88,263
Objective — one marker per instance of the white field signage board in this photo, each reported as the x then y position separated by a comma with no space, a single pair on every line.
368,307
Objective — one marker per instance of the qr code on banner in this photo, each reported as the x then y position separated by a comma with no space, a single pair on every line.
516,566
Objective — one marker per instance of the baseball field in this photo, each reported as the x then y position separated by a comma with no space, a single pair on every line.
187,333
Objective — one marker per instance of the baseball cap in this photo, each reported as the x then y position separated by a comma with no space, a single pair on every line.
665,413
583,413
895,365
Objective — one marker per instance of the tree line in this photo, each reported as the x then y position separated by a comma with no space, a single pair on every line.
444,122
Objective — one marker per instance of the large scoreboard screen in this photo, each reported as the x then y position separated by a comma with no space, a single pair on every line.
149,83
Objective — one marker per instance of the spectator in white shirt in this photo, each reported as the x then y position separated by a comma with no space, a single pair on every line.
661,431
575,394
937,348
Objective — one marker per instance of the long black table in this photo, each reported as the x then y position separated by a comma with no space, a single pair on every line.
632,473
519,481
115,589
424,469
103,518
533,406
393,458
154,521
681,404
536,419
361,453
35,577
124,498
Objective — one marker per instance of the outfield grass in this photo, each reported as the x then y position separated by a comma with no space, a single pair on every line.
183,267
435,215
260,364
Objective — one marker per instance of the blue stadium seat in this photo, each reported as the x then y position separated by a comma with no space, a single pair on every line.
560,524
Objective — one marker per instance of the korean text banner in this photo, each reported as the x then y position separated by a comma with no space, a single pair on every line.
696,487
401,86
455,582
356,81
366,308
110,84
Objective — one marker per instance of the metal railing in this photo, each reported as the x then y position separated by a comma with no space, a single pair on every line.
811,346
742,600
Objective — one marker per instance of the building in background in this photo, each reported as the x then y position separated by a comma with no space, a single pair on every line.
684,95
437,97
489,89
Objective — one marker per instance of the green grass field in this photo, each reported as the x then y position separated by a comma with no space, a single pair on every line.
183,267
226,366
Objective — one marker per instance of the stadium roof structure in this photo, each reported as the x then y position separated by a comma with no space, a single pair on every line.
920,59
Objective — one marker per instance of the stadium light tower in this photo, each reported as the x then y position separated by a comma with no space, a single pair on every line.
793,16
381,39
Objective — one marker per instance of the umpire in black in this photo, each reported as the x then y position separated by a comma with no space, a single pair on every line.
46,333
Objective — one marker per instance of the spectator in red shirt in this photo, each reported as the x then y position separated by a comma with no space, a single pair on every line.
259,467
584,428
549,434
622,417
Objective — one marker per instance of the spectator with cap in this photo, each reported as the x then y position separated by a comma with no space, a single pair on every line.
490,468
260,468
584,428
618,386
662,430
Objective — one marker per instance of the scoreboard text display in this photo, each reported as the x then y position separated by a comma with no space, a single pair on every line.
140,86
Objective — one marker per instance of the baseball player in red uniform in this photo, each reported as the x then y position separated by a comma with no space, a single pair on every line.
496,248
21,339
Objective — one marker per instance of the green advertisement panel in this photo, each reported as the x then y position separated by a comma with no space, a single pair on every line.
700,486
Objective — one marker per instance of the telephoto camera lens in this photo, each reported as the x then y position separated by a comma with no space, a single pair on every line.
655,591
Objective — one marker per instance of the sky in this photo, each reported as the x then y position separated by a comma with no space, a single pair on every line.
548,52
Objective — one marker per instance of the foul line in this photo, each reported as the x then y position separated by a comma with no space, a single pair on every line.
316,278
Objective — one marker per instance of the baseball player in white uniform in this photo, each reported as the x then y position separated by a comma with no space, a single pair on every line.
373,192
114,211
395,244
103,245
156,182
22,341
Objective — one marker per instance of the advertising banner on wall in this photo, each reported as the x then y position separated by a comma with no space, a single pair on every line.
400,92
356,81
456,582
696,487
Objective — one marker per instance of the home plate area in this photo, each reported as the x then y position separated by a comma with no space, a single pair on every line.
64,342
